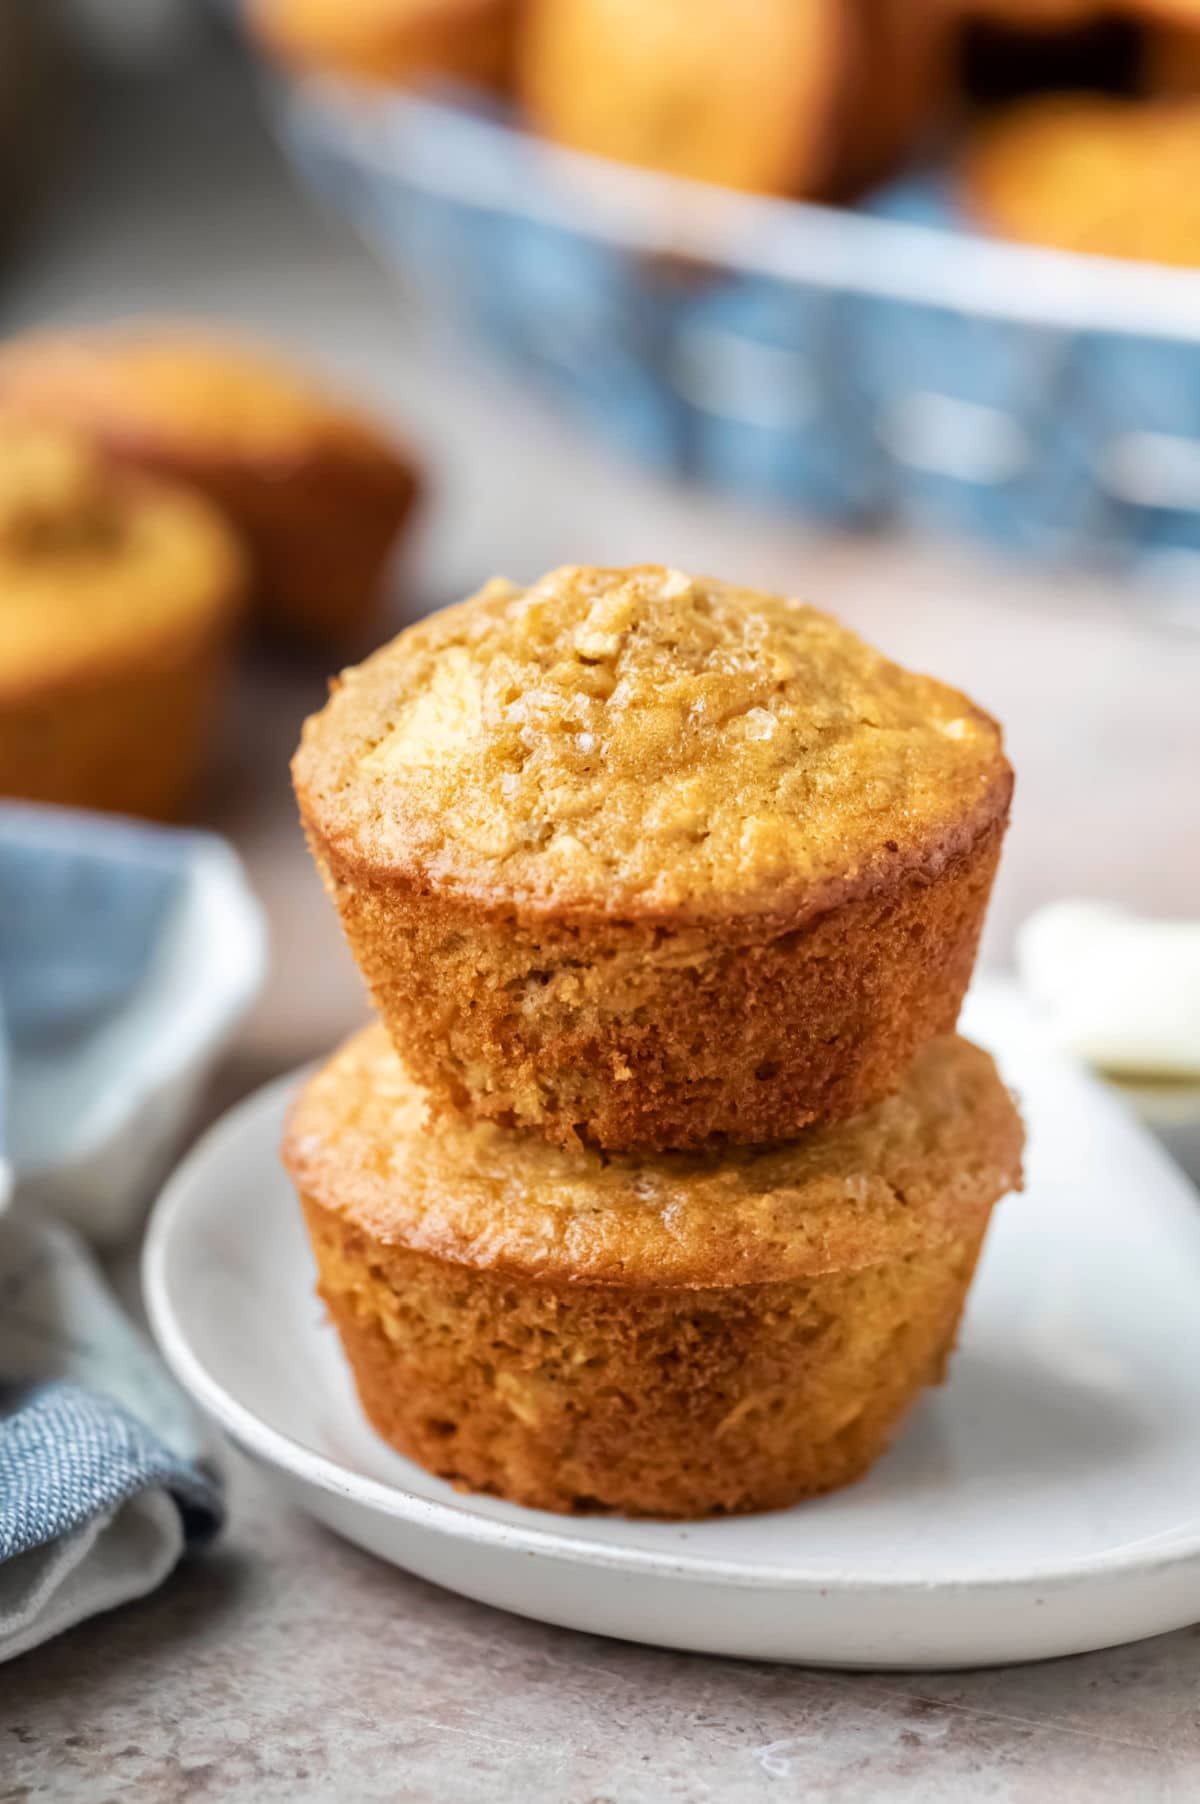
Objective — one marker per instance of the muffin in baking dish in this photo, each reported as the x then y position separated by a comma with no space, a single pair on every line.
681,1337
318,493
391,41
748,98
1115,178
650,860
118,600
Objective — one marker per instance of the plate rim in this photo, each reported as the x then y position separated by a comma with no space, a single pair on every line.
263,1441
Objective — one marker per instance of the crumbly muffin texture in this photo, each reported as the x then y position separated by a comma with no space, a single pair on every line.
644,740
653,861
889,1183
687,1404
675,1337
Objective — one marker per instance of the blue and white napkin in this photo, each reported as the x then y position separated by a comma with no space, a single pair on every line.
127,954
103,1476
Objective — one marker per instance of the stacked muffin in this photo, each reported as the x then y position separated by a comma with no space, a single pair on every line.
660,1183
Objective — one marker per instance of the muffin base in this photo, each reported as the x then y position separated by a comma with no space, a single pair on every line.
675,1403
320,532
126,742
653,1035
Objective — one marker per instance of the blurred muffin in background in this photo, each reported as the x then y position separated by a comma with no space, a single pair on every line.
709,89
1113,177
317,491
1008,51
118,600
1171,57
1034,15
390,41
1179,12
898,84
814,98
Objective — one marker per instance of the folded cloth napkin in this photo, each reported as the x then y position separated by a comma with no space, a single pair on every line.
103,1479
118,961
127,955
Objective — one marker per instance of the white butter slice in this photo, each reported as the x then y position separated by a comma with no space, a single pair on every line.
1117,989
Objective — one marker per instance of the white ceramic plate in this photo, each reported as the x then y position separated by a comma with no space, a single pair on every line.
1045,1502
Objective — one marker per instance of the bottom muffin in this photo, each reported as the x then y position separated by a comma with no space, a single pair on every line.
682,1336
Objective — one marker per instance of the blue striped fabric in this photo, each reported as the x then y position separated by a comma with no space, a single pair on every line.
68,1455
89,1421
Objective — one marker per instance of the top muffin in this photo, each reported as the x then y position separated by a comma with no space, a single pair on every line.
645,860
642,741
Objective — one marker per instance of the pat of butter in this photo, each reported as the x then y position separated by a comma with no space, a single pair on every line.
1117,989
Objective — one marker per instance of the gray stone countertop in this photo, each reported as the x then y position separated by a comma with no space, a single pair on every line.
290,1667
287,1665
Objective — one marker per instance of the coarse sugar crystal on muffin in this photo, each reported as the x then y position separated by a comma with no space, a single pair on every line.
119,599
650,860
676,1336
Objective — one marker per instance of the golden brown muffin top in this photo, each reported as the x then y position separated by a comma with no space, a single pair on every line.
1116,178
640,740
900,1177
184,392
96,564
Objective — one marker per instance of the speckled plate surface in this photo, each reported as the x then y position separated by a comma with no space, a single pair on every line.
1046,1501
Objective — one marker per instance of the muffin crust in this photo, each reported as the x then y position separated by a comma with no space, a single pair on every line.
652,860
680,1336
